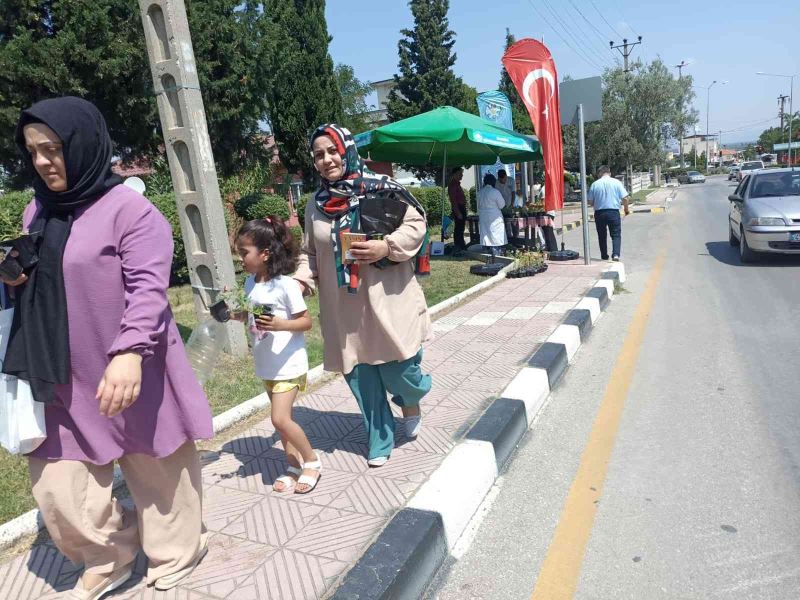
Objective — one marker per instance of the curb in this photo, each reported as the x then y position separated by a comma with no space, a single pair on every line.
407,554
31,522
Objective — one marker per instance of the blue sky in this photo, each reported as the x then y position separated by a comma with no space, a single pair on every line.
723,41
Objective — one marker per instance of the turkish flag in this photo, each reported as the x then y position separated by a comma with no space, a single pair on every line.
531,68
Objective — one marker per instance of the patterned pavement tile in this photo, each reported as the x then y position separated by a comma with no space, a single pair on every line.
337,534
346,456
221,506
487,384
466,399
433,440
221,467
375,496
449,380
139,591
229,562
333,426
252,442
481,348
447,418
256,476
328,489
407,465
320,401
43,572
273,521
289,575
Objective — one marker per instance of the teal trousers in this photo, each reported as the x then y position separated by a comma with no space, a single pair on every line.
369,384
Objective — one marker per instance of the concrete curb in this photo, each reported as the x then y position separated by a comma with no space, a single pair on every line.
31,522
405,557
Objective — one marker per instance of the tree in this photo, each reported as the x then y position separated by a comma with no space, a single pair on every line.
521,119
354,99
302,92
426,80
97,50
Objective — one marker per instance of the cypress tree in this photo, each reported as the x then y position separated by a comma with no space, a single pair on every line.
303,92
425,80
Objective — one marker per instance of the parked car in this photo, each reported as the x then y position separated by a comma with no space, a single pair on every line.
750,165
733,173
765,213
691,177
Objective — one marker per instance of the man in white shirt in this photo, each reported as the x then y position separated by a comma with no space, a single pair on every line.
505,187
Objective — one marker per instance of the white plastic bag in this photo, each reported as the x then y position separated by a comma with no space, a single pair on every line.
22,427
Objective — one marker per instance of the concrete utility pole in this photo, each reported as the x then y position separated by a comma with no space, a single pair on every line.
626,49
782,100
191,163
680,133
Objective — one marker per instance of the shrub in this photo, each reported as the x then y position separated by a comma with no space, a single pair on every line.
12,205
431,200
297,234
301,208
258,206
165,203
473,200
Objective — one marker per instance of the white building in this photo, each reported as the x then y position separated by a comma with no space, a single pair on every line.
700,144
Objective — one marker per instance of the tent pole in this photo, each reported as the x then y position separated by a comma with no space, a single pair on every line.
444,189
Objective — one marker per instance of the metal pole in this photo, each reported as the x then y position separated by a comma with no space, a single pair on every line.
708,106
584,202
791,116
444,192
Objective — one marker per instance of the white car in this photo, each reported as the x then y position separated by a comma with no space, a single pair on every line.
765,213
750,165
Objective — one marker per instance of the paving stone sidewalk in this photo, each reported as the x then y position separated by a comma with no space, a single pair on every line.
270,546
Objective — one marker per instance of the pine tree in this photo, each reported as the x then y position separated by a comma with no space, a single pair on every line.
303,92
520,117
97,50
426,80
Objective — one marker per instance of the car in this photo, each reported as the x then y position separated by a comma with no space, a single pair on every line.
733,172
750,165
764,214
691,177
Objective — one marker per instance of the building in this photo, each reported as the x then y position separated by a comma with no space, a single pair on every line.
700,144
380,116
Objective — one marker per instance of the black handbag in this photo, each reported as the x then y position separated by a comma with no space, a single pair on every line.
382,212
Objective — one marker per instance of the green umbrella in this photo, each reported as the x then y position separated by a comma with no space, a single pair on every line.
445,136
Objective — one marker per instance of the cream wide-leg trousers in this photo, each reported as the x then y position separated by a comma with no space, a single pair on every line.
90,527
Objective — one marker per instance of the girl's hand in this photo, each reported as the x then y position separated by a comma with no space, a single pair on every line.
121,383
370,251
270,323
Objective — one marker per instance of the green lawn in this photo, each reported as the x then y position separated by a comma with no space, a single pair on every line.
235,380
638,197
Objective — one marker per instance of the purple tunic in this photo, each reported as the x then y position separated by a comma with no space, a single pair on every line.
116,275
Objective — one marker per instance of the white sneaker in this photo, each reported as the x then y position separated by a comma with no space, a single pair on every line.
413,425
378,461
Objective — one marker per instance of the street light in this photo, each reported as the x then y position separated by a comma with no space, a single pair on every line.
708,108
791,93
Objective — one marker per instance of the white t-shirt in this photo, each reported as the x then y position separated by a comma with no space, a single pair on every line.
278,355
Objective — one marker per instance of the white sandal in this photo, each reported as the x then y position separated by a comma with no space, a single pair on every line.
308,480
289,483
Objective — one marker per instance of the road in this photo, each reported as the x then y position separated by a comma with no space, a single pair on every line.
696,485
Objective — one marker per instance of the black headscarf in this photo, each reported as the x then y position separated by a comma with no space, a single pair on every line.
38,349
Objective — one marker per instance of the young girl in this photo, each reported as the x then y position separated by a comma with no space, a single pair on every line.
269,253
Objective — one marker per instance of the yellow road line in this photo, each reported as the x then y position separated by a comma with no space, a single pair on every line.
561,568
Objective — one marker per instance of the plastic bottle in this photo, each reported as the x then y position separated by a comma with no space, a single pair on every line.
204,348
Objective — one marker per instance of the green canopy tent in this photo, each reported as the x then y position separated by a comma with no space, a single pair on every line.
445,136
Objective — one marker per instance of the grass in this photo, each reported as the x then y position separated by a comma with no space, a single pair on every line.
639,197
235,380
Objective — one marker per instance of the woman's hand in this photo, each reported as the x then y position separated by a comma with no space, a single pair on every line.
121,383
18,281
270,323
370,251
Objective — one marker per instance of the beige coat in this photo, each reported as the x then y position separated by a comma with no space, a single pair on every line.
387,320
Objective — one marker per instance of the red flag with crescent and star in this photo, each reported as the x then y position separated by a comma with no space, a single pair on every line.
530,66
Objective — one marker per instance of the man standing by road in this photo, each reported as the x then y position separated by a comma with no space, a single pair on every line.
606,195
505,188
458,208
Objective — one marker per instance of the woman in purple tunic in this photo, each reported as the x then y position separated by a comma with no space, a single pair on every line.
95,337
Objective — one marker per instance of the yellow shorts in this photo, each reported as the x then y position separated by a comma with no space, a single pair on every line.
285,385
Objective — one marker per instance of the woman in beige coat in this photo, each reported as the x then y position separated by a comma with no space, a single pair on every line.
372,310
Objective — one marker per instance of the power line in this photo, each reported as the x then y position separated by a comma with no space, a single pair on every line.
572,35
602,45
750,125
602,16
561,37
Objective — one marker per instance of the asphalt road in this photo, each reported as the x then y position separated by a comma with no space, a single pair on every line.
701,494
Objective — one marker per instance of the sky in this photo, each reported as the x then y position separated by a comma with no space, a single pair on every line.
722,41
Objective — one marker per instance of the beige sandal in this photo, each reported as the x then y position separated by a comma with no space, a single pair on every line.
115,580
